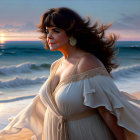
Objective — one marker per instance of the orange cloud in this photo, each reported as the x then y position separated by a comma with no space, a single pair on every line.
19,36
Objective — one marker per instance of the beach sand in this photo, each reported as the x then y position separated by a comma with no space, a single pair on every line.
26,134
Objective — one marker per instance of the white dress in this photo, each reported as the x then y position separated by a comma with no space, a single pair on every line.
79,93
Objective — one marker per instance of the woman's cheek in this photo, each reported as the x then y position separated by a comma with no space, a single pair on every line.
47,39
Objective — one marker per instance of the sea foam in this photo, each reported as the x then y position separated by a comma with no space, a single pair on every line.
126,72
22,68
18,81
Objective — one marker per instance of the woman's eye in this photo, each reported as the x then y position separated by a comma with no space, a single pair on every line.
46,31
56,30
53,30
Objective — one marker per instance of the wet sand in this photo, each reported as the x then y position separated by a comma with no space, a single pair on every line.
25,134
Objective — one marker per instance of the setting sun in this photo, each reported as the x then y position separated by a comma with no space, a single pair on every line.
2,38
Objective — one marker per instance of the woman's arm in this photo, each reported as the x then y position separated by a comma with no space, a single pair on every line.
111,122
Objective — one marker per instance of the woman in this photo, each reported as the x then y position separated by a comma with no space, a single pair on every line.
79,101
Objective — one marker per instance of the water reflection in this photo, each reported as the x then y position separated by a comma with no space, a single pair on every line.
2,48
2,38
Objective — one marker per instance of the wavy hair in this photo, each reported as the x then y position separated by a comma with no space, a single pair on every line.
90,38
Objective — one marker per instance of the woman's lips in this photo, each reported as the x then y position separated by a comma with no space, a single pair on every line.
51,43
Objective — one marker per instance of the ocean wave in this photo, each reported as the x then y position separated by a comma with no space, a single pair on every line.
9,53
18,98
130,48
23,48
17,81
22,68
135,46
126,72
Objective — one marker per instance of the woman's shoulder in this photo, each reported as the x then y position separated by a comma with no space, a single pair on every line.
54,63
89,62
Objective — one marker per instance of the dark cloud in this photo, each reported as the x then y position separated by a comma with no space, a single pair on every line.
125,23
19,28
28,27
119,25
128,22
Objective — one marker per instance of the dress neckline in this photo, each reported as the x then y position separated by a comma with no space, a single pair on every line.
74,76
74,72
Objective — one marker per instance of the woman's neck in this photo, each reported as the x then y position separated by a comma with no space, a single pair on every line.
72,51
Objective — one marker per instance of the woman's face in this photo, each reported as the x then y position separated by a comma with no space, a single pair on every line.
57,38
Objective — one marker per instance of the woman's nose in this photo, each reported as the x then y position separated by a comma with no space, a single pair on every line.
50,35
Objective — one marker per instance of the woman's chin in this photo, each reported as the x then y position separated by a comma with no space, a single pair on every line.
53,49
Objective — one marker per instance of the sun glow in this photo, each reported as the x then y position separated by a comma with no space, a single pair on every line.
2,38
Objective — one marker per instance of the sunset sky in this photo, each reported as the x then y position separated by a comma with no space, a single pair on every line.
18,18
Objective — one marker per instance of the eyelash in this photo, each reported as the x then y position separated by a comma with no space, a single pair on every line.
54,30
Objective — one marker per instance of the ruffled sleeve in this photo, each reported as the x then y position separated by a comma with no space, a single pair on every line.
27,118
100,90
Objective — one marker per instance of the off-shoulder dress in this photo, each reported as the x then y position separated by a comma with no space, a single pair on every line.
71,109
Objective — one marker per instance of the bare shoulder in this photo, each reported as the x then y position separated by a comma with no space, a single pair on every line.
54,63
89,62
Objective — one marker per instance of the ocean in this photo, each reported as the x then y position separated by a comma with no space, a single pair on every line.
25,66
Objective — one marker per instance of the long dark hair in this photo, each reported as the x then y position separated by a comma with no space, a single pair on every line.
90,38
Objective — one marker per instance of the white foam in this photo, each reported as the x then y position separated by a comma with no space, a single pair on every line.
21,68
126,72
18,81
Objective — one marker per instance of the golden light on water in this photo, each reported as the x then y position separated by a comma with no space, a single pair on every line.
2,38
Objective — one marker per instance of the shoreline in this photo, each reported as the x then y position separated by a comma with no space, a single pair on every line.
26,134
136,94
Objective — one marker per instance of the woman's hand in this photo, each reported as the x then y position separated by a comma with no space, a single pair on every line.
111,122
